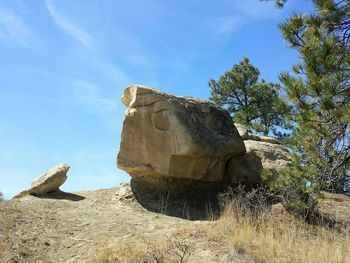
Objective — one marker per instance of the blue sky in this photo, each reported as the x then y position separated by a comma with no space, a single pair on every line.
64,65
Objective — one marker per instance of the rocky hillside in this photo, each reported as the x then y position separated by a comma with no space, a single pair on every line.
111,226
79,227
182,154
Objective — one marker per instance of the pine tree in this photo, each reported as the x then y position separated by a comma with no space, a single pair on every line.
256,104
319,90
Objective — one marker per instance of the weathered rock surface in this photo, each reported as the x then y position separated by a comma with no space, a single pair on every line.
247,134
182,145
50,181
166,136
260,155
242,130
268,139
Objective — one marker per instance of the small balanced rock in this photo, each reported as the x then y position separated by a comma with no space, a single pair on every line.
48,182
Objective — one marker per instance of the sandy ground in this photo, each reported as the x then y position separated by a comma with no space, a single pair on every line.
76,227
79,227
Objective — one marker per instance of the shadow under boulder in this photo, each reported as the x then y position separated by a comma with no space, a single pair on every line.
187,199
60,195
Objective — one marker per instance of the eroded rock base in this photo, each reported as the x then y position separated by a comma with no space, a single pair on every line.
188,199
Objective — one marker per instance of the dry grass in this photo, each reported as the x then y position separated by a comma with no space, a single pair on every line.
158,250
246,232
21,232
278,237
4,255
130,252
249,227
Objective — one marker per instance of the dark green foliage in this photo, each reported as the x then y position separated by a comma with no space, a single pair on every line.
1,197
256,104
299,194
318,88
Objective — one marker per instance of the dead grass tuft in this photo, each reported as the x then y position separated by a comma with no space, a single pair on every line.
123,253
159,250
5,256
277,237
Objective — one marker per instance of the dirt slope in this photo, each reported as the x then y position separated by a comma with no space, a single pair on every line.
64,227
104,225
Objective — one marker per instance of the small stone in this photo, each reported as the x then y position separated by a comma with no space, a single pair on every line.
50,181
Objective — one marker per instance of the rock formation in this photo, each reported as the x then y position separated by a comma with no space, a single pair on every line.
263,152
166,136
247,134
48,182
182,143
248,168
243,131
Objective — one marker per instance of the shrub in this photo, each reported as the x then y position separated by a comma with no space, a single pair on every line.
270,235
176,249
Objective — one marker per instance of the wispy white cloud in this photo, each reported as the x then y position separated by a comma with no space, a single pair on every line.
251,11
225,25
13,27
69,27
89,94
85,92
113,73
256,9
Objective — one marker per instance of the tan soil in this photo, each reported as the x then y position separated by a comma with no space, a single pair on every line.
65,227
79,227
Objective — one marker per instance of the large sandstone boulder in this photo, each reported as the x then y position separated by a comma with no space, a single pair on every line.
166,136
260,155
50,181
